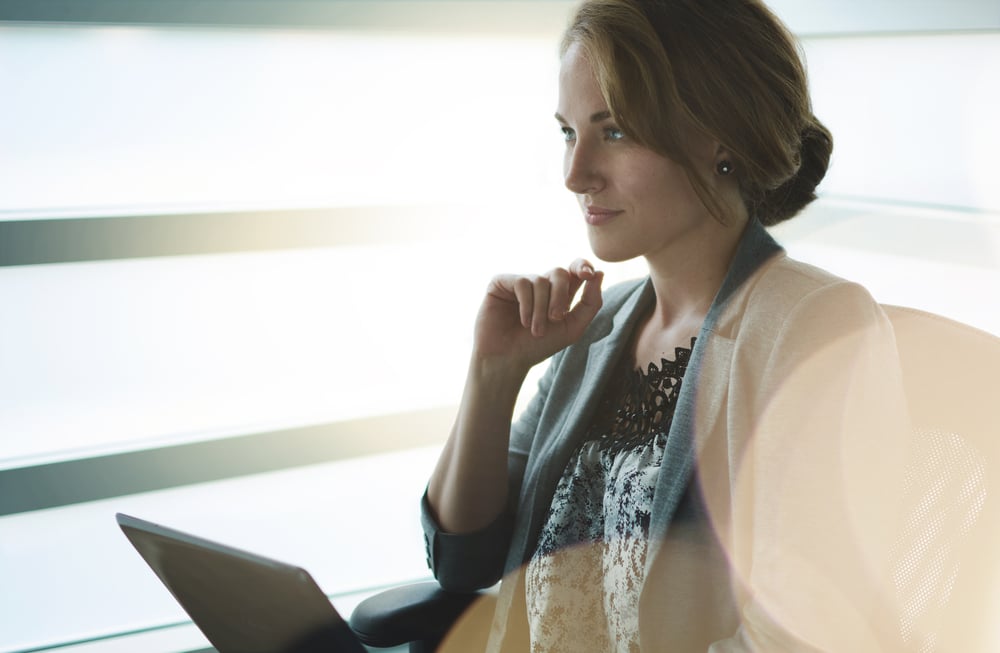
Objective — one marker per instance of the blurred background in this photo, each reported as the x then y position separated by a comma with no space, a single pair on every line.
242,244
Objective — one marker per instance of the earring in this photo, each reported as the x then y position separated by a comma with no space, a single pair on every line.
724,167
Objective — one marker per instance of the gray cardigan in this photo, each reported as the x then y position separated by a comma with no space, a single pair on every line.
732,538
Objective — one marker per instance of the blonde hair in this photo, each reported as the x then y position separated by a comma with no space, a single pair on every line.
727,69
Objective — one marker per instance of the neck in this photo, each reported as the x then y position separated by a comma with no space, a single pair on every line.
687,279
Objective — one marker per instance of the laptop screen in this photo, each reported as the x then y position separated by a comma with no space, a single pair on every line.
242,602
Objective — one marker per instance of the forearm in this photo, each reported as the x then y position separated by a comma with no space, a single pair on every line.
524,319
468,489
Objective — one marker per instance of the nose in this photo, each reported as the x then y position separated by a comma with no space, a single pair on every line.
581,169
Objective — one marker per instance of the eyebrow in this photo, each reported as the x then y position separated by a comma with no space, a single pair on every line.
600,116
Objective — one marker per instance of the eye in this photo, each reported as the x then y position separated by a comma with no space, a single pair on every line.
568,134
613,134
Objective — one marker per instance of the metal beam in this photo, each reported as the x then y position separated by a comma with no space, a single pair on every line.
89,479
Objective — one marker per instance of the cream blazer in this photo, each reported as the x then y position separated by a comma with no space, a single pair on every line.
777,500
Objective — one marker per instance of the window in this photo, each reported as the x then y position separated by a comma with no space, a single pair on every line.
239,252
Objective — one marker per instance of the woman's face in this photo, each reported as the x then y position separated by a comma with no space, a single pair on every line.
635,202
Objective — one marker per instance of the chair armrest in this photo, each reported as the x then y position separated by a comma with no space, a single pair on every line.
417,612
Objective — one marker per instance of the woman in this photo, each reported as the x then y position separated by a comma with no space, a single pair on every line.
707,464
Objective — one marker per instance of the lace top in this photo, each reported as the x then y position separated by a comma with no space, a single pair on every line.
584,579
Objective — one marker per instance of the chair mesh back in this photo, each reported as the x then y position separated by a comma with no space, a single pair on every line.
948,485
948,558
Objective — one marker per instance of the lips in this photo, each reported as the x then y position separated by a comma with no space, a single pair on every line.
598,215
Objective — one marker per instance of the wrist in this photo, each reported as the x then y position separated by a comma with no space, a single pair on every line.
497,371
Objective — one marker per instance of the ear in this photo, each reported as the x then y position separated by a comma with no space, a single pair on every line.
721,153
723,164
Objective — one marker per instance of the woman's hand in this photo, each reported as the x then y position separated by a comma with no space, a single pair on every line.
524,319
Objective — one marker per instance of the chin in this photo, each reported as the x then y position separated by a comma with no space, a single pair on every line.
611,259
608,253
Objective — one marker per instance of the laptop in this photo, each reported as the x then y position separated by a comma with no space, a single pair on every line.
242,602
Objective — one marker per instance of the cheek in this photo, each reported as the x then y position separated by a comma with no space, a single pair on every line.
657,194
671,180
646,172
648,185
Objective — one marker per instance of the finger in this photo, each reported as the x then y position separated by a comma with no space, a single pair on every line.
502,287
540,315
590,303
564,286
592,292
524,292
583,269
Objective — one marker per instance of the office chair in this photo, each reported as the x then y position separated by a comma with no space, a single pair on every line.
948,553
420,614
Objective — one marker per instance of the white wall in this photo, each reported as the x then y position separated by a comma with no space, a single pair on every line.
913,117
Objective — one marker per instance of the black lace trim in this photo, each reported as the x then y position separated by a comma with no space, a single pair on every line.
638,407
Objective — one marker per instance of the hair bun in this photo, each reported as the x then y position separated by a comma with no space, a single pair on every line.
796,193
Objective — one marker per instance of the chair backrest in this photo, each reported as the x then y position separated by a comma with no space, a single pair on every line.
948,568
